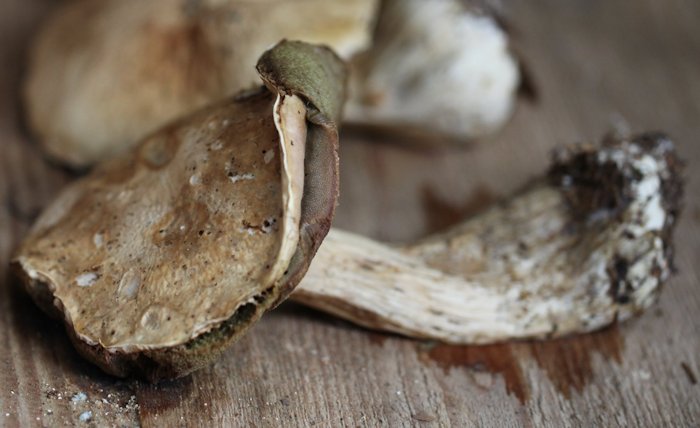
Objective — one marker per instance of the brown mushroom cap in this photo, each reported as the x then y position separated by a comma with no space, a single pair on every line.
162,257
103,74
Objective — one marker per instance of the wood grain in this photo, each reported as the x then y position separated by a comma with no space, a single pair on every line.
596,66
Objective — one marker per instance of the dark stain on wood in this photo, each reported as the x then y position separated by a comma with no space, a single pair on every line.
441,214
568,362
377,338
496,359
155,399
689,373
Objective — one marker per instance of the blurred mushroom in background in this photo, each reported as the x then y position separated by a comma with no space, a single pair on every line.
104,74
435,66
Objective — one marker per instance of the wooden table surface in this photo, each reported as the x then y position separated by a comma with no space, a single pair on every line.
596,65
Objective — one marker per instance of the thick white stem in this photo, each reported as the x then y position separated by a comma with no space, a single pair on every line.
573,253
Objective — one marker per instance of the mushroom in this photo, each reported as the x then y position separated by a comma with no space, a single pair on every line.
160,258
588,245
186,267
437,66
102,74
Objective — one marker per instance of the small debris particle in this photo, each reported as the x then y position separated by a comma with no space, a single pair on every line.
423,416
240,177
217,145
86,279
644,375
689,372
268,156
7,415
98,240
195,179
85,416
79,397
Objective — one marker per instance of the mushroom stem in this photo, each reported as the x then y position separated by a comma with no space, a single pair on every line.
586,246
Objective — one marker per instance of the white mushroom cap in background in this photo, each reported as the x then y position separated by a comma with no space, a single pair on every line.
436,65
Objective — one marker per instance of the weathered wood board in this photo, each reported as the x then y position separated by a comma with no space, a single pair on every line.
596,66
